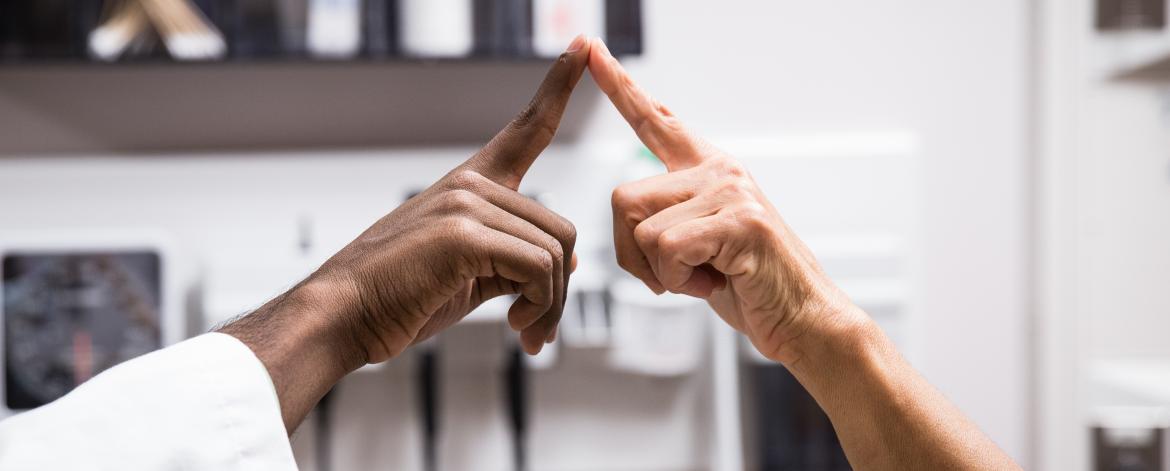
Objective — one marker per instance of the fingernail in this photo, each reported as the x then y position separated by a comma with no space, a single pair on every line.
577,43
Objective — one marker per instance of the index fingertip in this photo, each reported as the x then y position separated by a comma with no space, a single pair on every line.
507,157
600,65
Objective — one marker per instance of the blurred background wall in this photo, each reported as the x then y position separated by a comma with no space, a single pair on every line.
1102,127
1044,180
953,72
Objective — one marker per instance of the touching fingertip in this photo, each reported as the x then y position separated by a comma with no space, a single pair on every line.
578,43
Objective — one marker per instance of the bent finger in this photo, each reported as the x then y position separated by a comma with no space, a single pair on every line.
685,247
648,232
536,214
495,252
523,315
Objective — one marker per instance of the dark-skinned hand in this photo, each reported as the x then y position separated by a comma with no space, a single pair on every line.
466,239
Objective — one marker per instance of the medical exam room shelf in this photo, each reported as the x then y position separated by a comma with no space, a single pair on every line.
88,32
262,108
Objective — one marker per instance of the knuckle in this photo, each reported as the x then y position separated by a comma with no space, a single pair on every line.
554,248
730,167
465,179
625,205
459,229
644,234
545,262
726,187
461,200
735,189
752,215
622,197
669,241
734,168
567,231
745,186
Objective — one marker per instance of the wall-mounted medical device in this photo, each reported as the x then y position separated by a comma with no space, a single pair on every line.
74,306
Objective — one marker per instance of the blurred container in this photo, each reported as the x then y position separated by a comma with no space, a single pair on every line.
335,28
655,335
556,22
436,28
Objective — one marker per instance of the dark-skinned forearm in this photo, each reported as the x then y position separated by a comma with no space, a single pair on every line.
305,339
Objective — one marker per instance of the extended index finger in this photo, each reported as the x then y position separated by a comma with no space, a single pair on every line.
508,155
655,125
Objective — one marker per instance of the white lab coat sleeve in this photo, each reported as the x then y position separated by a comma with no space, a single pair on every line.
203,404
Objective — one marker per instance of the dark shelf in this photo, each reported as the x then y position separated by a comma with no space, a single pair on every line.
282,60
55,33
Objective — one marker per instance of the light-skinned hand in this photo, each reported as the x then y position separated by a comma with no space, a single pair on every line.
705,229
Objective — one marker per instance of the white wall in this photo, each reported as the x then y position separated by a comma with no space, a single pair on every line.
1105,197
1123,215
952,71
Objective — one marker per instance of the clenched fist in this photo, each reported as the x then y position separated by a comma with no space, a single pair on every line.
468,238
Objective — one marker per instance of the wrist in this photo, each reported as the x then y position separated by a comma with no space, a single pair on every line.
325,306
842,346
305,340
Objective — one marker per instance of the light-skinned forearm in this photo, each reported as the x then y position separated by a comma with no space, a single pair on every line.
886,415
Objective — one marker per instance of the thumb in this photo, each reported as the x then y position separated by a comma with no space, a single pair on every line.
506,158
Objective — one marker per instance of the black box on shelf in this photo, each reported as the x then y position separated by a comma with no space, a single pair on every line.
1121,15
266,30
